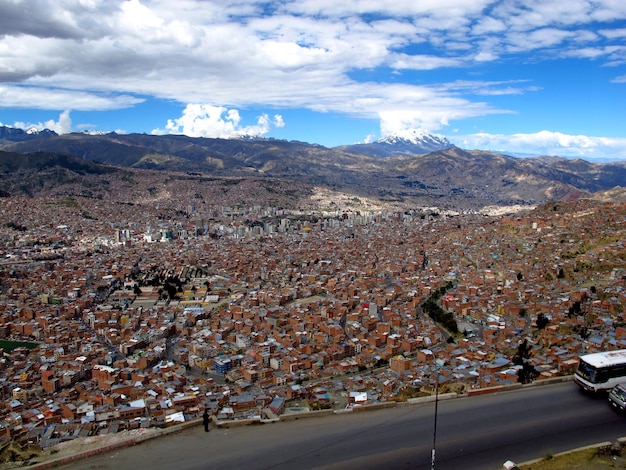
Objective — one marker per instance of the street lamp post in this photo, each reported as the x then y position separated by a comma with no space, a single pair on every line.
432,461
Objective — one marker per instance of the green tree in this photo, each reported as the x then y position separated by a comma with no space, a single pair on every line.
542,321
527,373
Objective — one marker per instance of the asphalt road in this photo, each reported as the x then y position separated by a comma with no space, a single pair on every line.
472,433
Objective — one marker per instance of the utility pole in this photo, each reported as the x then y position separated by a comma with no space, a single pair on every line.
432,462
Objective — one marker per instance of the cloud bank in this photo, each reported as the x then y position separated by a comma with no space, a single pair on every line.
547,143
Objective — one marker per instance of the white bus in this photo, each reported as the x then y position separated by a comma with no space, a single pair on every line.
601,371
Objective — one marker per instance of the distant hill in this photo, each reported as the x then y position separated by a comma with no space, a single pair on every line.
55,175
32,173
448,177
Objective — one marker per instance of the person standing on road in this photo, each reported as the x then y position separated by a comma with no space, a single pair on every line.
205,420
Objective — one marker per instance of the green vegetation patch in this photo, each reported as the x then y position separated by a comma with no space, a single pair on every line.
8,346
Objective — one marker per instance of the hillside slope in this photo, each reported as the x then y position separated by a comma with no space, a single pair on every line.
450,177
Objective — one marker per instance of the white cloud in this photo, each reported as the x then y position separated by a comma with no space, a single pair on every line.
427,109
62,126
279,121
488,25
608,10
54,98
201,120
421,62
547,143
618,33
393,122
538,39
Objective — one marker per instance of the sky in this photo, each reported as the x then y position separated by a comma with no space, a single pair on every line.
524,77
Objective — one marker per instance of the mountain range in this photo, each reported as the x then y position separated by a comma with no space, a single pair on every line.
416,169
13,134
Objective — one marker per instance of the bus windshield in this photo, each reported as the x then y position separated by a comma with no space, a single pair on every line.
591,374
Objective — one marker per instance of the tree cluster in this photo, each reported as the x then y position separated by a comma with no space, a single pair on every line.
433,309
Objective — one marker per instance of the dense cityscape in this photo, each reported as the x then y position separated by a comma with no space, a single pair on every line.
139,314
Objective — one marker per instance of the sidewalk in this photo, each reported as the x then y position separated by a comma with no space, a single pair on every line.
83,448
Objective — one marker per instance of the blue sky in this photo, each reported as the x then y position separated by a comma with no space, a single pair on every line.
518,76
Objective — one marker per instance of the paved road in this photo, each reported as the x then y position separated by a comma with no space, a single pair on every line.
472,433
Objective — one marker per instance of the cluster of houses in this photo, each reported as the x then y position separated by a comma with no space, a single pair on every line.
265,312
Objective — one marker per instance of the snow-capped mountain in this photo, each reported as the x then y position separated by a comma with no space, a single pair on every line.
416,137
14,134
407,142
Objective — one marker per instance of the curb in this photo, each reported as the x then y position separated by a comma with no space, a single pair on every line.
431,398
82,455
131,441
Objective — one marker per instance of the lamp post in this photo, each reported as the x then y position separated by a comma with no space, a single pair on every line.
432,456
